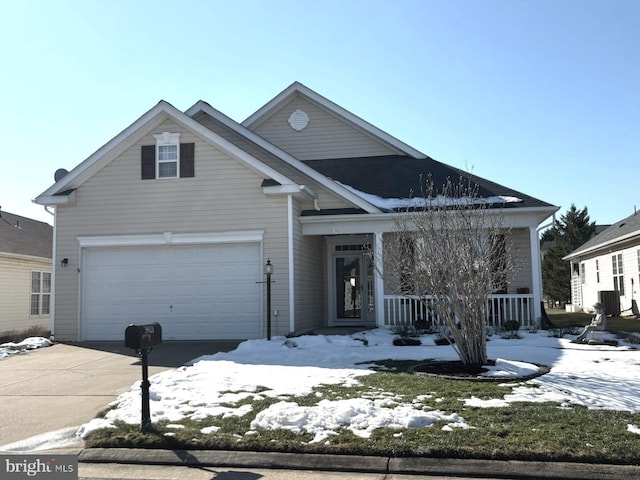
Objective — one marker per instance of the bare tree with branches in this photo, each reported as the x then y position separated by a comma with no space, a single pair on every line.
449,250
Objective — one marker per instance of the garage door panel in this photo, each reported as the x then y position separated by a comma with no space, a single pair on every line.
194,292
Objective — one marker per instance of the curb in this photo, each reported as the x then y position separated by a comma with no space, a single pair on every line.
469,468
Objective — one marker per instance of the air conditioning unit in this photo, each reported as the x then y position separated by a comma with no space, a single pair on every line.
610,299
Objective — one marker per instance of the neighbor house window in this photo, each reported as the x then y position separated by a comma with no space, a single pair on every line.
40,293
618,277
597,271
583,274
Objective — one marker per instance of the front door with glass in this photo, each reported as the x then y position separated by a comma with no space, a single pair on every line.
354,295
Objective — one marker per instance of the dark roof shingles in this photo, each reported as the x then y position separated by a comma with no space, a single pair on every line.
24,236
397,176
625,227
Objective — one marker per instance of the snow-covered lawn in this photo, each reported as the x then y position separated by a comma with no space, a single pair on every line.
597,377
30,343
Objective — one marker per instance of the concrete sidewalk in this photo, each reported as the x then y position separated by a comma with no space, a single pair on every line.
210,465
64,386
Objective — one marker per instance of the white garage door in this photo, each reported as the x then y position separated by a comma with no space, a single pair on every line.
195,292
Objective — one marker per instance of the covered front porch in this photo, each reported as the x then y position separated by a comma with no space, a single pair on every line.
357,295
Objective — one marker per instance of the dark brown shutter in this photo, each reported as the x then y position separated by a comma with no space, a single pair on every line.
187,163
148,163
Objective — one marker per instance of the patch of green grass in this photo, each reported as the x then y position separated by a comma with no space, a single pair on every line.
525,431
563,319
390,365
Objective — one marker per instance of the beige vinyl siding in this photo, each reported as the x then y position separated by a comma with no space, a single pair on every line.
326,198
15,293
310,283
223,196
326,135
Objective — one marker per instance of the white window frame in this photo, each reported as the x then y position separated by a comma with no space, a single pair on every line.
583,273
40,294
167,139
618,274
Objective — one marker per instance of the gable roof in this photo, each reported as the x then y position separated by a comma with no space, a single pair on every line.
626,229
361,182
59,192
297,88
401,177
283,156
24,236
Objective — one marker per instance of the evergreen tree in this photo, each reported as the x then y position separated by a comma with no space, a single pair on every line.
573,229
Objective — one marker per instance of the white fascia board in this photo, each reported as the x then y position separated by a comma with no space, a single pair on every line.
337,110
56,199
94,158
26,258
171,238
602,246
153,116
291,189
385,222
286,157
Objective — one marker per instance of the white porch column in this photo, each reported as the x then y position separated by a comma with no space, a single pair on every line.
379,282
536,272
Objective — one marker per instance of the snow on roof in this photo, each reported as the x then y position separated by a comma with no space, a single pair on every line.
418,202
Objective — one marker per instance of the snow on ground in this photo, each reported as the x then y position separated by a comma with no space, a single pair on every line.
30,343
597,377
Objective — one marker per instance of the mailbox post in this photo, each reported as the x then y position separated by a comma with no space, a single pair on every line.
143,338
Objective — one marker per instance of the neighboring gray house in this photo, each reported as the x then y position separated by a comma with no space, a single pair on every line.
606,269
25,273
174,219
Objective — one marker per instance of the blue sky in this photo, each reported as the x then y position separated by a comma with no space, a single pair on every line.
542,96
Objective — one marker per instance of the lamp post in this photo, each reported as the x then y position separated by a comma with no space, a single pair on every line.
268,270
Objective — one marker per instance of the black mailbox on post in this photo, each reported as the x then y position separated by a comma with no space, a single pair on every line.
144,336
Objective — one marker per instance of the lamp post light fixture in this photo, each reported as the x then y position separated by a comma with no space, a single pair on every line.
268,270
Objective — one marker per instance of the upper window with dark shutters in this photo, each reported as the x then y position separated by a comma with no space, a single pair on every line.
167,155
168,158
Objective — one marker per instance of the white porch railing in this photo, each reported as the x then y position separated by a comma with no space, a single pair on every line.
400,310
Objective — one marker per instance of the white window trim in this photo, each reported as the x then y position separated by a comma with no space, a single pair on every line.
618,274
41,293
171,238
166,139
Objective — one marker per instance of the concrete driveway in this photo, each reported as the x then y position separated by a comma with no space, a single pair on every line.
66,385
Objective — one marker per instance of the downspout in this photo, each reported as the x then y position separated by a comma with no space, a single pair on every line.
292,309
54,264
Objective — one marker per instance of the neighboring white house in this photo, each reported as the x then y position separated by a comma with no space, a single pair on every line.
606,269
174,219
25,273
